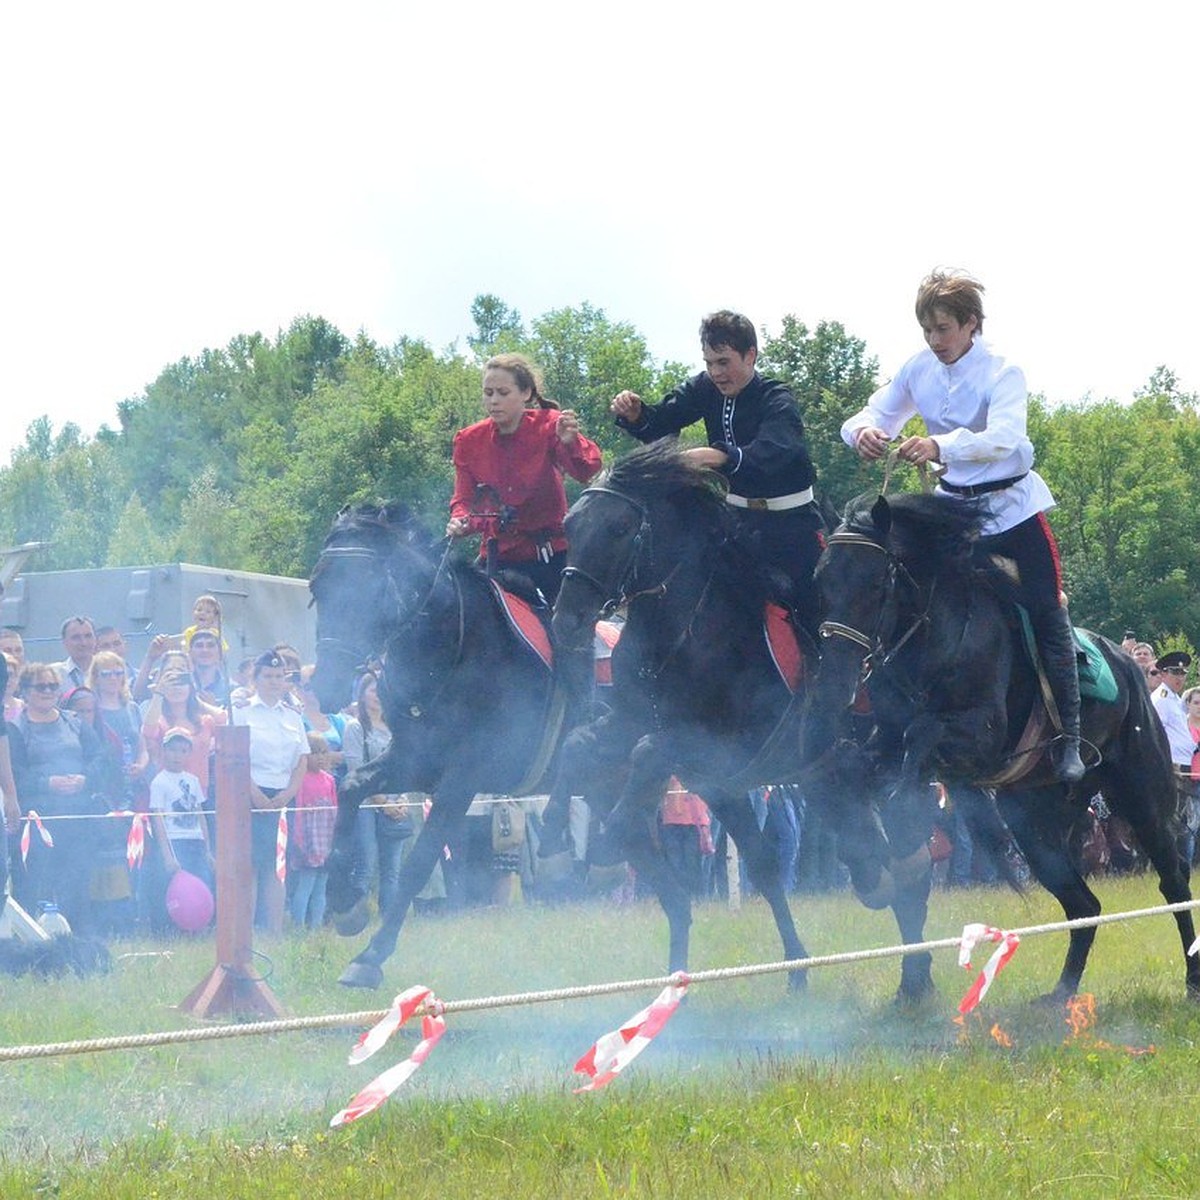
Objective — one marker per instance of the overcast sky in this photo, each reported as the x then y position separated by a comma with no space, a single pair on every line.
177,175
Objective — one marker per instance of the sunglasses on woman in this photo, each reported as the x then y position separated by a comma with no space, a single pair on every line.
43,687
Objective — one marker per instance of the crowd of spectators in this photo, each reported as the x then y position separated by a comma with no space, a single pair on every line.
112,784
98,745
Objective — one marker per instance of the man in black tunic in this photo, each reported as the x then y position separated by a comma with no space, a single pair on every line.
755,439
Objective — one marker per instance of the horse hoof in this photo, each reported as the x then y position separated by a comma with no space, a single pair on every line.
1055,999
353,921
797,982
881,895
910,996
361,975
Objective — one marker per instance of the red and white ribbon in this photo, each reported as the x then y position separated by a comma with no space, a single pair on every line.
433,1025
403,1007
615,1051
972,935
382,1086
281,846
135,842
32,818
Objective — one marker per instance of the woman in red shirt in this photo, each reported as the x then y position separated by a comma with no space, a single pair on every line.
508,474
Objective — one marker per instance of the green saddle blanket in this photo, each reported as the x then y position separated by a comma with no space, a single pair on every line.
1096,679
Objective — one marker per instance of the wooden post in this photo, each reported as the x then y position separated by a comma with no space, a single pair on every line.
733,874
233,986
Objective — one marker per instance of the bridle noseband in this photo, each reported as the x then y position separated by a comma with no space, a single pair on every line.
877,653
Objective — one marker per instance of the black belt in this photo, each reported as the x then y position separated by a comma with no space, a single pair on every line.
981,489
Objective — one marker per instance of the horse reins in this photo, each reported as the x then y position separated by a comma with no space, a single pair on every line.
873,644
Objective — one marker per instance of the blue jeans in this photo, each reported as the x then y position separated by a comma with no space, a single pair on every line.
308,896
380,853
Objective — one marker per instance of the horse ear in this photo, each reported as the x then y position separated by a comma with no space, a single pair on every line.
881,515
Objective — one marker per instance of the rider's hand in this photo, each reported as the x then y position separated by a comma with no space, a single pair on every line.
919,450
568,426
707,456
871,443
458,527
628,405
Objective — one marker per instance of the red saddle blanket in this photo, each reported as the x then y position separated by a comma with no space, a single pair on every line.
783,645
526,624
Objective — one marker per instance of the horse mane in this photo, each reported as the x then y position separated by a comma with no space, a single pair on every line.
392,517
663,472
928,534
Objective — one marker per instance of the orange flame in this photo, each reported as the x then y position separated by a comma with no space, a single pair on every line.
1081,1016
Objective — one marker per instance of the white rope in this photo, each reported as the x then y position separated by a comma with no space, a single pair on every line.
370,1017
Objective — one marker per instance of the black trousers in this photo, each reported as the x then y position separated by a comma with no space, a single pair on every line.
1032,546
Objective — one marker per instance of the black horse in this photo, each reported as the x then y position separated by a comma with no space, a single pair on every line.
471,705
696,691
468,700
913,611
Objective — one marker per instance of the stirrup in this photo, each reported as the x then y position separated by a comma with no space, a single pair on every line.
1064,755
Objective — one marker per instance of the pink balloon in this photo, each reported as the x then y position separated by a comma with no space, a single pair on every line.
189,902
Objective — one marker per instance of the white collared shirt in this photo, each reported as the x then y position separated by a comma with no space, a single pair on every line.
1172,712
277,741
975,409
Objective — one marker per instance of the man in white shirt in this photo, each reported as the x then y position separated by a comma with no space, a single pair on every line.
79,641
974,404
1166,685
1170,674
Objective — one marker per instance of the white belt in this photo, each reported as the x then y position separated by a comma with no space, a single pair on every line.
771,503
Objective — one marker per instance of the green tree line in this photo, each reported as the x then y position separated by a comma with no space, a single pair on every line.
241,456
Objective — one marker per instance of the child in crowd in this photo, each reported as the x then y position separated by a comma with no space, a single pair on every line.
176,800
312,839
206,614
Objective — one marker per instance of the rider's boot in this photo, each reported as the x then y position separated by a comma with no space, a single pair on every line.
1057,647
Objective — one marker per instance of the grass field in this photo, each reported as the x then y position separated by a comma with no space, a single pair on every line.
748,1092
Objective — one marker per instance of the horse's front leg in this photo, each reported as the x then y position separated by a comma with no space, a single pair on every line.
591,764
633,825
449,806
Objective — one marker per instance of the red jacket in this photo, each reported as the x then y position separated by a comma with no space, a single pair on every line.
526,470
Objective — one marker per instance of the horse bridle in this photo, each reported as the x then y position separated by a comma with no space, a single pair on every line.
877,654
612,600
346,649
337,645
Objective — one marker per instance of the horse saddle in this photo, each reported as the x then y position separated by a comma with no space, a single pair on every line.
783,645
531,625
527,623
1096,678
